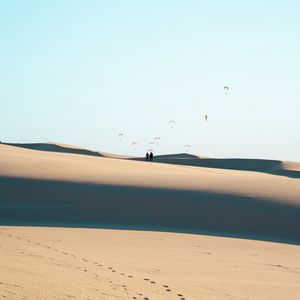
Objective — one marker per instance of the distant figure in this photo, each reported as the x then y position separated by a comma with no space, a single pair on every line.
147,156
151,156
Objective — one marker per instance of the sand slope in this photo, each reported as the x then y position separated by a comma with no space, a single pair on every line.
56,263
49,188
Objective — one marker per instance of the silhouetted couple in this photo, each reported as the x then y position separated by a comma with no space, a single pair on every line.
149,156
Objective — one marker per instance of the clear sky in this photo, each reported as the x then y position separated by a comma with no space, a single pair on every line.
81,72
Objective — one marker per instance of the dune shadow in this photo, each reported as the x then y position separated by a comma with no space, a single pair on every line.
49,147
255,165
57,203
287,173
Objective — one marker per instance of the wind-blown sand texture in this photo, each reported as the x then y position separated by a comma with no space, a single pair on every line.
57,185
56,263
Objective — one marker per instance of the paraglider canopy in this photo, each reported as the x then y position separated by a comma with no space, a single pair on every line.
121,135
134,144
187,147
226,88
172,122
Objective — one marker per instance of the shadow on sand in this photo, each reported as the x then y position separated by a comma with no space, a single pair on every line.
56,203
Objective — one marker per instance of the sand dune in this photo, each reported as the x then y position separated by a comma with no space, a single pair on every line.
291,169
74,188
47,188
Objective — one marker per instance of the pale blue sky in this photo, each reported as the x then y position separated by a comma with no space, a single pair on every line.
80,72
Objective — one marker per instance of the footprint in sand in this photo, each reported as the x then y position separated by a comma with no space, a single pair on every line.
85,270
168,290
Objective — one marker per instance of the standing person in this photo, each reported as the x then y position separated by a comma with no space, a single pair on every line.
147,156
151,156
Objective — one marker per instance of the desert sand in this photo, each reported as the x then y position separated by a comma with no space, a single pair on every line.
244,216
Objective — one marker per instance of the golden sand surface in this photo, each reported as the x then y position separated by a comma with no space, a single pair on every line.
60,263
65,190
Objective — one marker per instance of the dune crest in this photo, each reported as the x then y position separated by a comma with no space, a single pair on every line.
54,147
